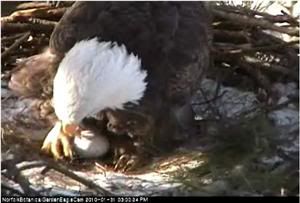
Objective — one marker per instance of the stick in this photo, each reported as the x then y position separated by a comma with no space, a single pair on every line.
272,18
13,173
25,166
42,22
264,48
210,106
279,106
242,19
216,97
275,68
15,45
62,169
39,13
12,190
260,78
22,27
30,5
231,36
10,39
58,12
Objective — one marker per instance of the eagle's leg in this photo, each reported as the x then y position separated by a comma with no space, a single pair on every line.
136,128
58,142
127,162
124,153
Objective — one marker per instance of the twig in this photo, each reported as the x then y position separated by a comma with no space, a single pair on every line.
218,89
42,22
262,48
272,18
274,68
216,97
228,25
58,12
279,106
38,13
245,20
13,173
210,106
7,19
30,5
15,45
30,20
264,108
227,47
62,169
260,78
21,27
11,38
231,36
12,190
25,166
266,39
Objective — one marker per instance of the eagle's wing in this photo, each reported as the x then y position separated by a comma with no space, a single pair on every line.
129,23
123,22
188,58
171,38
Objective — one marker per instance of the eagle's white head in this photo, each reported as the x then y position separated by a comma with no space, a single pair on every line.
94,76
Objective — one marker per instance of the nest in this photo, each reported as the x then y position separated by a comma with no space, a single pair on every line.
246,50
244,41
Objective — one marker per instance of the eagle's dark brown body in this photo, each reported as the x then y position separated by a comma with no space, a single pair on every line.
171,38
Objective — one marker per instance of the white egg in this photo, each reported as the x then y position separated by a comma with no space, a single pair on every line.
91,145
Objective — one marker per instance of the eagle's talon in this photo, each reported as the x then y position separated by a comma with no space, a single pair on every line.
66,142
127,162
121,162
56,149
45,149
131,164
58,144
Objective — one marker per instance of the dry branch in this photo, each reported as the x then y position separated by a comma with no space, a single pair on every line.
259,77
15,45
12,170
13,173
45,13
274,68
10,189
240,33
62,169
272,18
25,166
42,22
253,22
30,5
264,48
11,38
231,36
8,28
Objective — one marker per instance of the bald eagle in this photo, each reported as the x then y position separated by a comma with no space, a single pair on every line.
144,56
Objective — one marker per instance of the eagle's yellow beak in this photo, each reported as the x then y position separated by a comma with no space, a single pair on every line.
70,129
